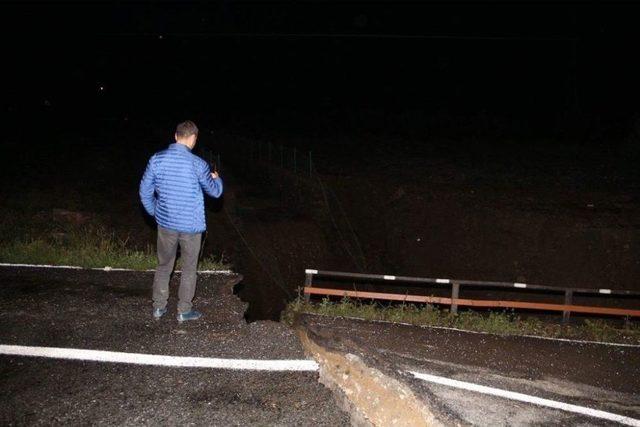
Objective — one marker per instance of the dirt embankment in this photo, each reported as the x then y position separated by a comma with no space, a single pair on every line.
537,220
540,216
535,235
363,362
268,219
556,213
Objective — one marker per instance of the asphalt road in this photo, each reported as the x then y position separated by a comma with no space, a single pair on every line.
112,311
596,376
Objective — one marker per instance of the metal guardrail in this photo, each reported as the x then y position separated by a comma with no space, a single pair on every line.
454,301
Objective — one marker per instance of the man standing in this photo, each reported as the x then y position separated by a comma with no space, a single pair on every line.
171,192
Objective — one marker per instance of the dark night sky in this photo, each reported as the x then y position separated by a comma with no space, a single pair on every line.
165,58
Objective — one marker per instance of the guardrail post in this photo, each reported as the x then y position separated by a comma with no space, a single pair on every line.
568,298
295,163
308,282
281,157
455,291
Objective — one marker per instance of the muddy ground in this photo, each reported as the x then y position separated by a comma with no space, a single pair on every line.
112,311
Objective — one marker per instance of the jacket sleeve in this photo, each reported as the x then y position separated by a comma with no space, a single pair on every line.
147,189
213,187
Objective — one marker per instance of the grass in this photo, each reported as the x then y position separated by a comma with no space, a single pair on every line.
502,323
29,239
87,248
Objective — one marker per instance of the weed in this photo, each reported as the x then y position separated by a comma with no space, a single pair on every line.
87,247
496,322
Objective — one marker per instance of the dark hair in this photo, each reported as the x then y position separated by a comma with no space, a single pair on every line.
186,129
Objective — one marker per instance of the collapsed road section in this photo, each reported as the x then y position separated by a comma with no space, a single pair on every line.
366,393
457,377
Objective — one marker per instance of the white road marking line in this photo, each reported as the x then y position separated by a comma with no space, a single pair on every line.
389,277
299,365
310,271
68,267
583,410
107,268
160,360
520,285
573,341
605,291
442,281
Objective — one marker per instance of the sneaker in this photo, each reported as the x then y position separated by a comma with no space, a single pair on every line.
159,312
189,315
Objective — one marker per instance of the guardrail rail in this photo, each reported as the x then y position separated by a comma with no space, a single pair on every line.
454,301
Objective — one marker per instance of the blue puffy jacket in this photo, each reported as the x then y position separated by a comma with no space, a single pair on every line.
171,189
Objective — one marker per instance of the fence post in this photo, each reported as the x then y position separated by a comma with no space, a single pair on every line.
568,298
308,282
295,166
455,291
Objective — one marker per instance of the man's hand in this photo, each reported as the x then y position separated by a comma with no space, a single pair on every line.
214,175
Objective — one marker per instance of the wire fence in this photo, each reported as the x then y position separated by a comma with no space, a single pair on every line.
244,150
300,165
278,155
214,159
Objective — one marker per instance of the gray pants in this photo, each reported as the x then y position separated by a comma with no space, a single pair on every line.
189,250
